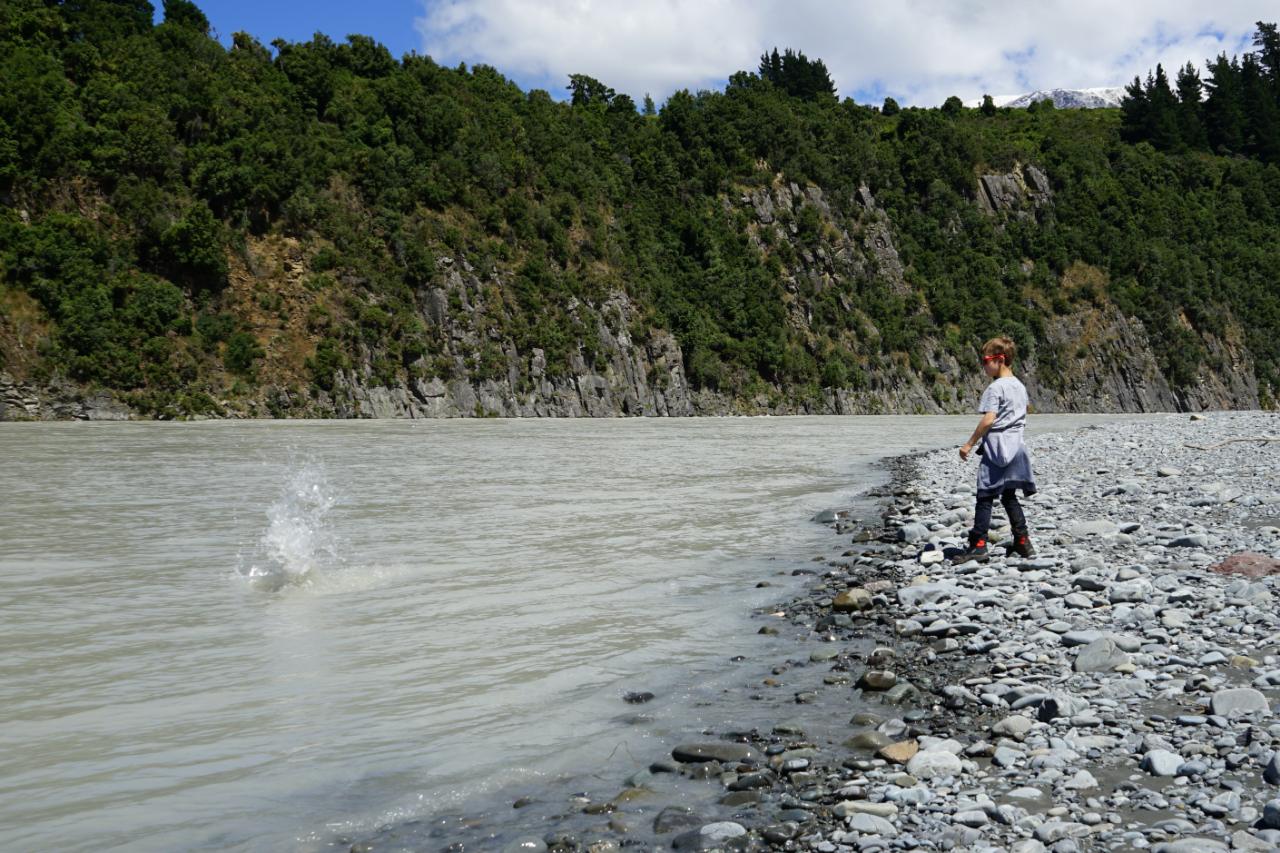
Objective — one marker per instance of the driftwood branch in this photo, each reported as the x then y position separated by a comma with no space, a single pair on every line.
1259,438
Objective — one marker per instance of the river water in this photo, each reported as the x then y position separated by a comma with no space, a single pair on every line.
261,635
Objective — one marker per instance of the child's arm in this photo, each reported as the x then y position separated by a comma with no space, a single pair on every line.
988,418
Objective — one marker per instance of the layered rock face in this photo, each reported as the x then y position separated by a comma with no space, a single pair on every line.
56,402
1020,192
1093,359
638,379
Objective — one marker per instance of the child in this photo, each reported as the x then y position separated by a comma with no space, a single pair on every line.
1005,465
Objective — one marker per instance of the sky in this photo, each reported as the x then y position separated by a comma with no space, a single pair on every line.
918,51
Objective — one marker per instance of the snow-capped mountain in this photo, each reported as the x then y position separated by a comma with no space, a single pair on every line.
1087,99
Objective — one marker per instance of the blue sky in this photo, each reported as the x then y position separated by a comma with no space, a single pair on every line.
389,21
918,51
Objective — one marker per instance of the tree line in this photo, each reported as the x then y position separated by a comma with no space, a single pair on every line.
139,162
1233,109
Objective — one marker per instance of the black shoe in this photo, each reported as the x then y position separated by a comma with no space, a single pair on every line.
1021,545
975,551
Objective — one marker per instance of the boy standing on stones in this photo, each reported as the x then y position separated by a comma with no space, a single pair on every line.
1005,465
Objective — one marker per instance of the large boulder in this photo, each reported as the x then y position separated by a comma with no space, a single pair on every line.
1239,700
934,763
1102,655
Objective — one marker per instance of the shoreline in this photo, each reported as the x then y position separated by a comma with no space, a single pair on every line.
971,726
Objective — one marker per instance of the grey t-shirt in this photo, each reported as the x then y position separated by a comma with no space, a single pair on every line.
1007,397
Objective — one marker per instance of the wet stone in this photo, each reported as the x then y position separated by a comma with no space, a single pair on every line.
715,751
899,753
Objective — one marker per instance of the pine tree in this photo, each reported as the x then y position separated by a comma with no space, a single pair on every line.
649,108
1262,114
1162,112
1190,94
1224,107
1267,41
771,67
1134,112
1235,109
797,75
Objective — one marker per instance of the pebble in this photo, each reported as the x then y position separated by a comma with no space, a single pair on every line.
899,753
932,764
722,752
869,824
852,600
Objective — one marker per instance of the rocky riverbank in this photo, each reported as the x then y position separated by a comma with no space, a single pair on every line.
1116,692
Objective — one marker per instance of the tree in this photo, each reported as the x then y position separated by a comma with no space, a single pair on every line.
797,75
1224,107
366,57
311,67
1190,92
1261,109
588,90
649,108
1267,40
194,248
36,108
890,107
1134,112
988,107
103,21
1162,112
952,106
184,13
771,67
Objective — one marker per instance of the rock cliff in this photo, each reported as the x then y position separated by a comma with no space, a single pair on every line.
1091,359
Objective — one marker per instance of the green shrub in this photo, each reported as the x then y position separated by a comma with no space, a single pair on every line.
242,351
330,357
195,248
213,329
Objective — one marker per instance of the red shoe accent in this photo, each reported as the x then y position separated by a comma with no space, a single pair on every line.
982,543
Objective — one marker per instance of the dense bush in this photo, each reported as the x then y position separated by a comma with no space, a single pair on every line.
146,155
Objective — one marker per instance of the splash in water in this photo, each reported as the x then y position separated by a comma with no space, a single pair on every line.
297,541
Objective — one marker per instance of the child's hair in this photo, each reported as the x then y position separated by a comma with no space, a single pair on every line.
1001,346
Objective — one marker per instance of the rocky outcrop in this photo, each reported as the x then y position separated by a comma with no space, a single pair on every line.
878,242
1018,193
56,401
1100,360
629,378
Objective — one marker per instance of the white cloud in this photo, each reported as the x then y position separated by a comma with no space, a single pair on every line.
919,51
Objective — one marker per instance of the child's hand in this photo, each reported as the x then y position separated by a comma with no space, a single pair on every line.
965,450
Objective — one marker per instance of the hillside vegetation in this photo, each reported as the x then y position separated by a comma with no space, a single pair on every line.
268,230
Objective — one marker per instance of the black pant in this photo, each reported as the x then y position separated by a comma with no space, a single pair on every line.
982,514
